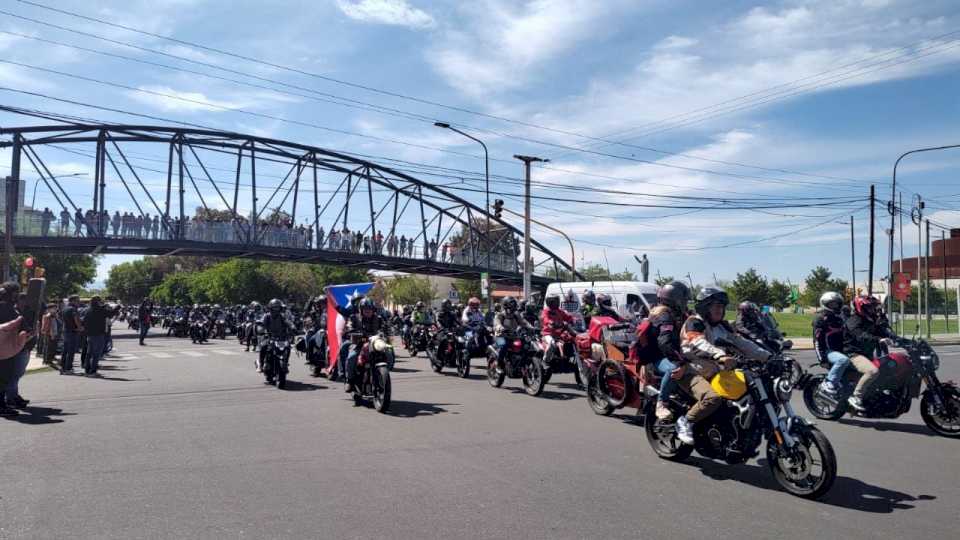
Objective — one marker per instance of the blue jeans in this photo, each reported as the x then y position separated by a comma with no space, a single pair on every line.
95,352
350,367
839,363
667,385
20,361
342,358
71,341
501,348
144,328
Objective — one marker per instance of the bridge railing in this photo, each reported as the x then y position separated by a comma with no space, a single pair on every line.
35,224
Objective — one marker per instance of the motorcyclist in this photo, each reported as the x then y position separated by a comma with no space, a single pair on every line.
658,341
253,314
864,332
750,324
530,314
367,322
588,307
197,317
571,304
474,321
699,337
317,312
447,320
828,340
276,325
348,312
505,325
553,321
605,307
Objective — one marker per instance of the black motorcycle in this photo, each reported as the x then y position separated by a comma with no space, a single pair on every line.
523,360
276,357
198,331
756,406
901,377
420,339
316,356
372,377
178,327
449,349
220,328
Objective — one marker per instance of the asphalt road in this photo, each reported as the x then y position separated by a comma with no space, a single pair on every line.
184,441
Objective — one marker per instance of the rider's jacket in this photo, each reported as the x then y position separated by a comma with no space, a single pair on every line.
422,317
862,336
506,324
587,311
658,337
554,321
827,333
699,339
753,328
472,318
368,326
277,326
448,320
197,315
603,311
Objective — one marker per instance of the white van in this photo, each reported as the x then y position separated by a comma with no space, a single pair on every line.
629,297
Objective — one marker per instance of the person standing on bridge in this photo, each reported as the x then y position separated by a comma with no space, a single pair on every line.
64,222
77,222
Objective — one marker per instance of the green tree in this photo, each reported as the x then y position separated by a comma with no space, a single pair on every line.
751,286
818,282
66,274
406,290
467,288
779,294
663,280
174,289
131,281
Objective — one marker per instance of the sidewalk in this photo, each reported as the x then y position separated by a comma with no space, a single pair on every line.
36,362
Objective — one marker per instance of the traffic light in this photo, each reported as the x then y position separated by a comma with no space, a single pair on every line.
498,208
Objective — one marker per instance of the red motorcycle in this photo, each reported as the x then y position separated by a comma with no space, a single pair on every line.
902,374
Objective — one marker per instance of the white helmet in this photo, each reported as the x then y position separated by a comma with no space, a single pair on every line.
831,301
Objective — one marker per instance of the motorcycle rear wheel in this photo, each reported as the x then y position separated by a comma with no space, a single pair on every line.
494,376
381,389
663,438
817,406
945,426
796,473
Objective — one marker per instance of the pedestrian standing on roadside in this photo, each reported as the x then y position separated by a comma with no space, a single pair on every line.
9,298
7,365
146,308
49,330
95,324
72,327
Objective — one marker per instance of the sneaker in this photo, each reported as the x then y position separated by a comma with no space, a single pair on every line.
20,403
856,403
684,430
829,388
349,388
663,412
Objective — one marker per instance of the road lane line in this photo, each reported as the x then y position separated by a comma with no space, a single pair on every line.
160,355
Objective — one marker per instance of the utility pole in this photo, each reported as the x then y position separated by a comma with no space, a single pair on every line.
916,215
926,281
853,259
12,186
902,303
943,269
527,267
873,200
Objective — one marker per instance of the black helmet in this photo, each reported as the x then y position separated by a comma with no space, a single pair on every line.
709,296
509,304
552,300
368,303
589,297
530,308
419,306
674,295
446,305
748,309
275,305
356,299
321,299
604,300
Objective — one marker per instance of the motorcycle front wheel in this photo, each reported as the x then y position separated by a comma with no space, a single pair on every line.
808,470
818,405
494,376
533,378
435,363
663,438
946,422
381,389
463,364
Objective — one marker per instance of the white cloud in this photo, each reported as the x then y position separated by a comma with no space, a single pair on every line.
168,99
502,44
392,12
676,42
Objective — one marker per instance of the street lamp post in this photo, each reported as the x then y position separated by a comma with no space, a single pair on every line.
527,267
486,208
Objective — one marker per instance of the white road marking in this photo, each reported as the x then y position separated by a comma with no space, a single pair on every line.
224,351
194,354
161,355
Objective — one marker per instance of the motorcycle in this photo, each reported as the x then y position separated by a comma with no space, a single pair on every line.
902,374
178,328
523,361
372,379
449,349
220,328
198,331
560,357
276,361
756,406
316,356
420,340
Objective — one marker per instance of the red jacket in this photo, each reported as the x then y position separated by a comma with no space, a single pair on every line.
549,317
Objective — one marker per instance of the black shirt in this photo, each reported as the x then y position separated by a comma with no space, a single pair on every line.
8,312
95,321
70,319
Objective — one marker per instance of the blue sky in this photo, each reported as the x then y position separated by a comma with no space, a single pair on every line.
837,90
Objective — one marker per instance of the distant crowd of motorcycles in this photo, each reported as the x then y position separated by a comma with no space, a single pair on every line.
700,382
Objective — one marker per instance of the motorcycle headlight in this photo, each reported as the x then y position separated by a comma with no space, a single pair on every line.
931,360
784,389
